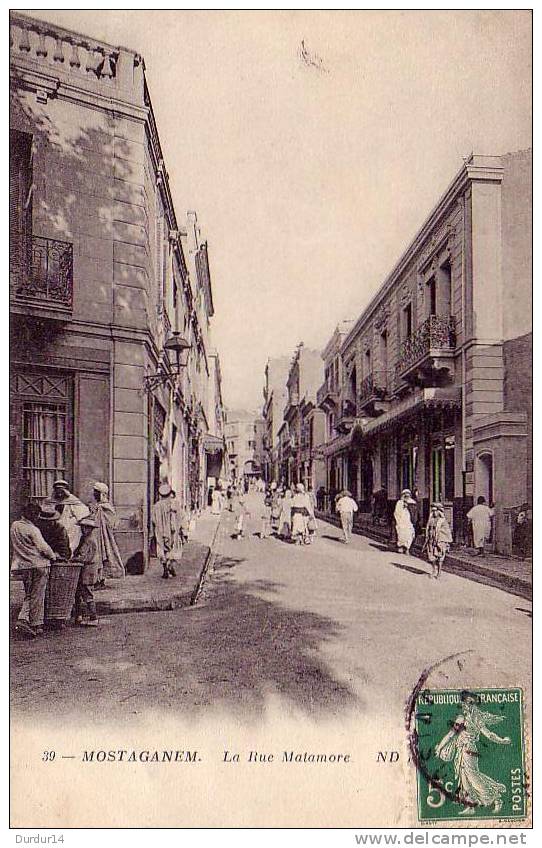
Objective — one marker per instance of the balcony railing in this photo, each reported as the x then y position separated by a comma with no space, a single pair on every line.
327,393
49,278
437,333
375,385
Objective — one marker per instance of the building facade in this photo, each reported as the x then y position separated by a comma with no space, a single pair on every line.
328,399
275,397
299,459
435,389
100,280
244,444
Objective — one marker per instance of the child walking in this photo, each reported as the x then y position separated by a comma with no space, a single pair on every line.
438,538
87,554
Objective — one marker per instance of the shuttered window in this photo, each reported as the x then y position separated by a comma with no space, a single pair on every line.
20,204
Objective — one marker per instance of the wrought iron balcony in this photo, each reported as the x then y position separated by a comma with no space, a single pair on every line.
373,392
429,351
346,415
46,278
327,397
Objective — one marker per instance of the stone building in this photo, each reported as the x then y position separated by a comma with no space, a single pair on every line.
436,385
216,458
100,285
275,396
244,444
300,461
328,399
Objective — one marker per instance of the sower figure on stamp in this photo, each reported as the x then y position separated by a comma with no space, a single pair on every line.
460,746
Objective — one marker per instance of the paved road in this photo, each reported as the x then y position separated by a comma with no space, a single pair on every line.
312,630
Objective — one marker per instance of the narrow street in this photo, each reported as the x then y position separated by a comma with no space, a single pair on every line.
313,631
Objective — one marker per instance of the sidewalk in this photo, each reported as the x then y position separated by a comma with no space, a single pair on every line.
148,591
508,573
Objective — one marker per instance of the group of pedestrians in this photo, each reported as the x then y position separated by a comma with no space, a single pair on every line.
62,551
287,512
406,524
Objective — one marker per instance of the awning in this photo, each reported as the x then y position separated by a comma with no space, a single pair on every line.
436,398
213,444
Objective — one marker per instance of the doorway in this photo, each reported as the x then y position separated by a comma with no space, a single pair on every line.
484,476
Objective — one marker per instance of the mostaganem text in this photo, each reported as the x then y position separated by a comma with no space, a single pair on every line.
140,756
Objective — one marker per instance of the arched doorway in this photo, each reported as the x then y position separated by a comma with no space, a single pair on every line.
484,476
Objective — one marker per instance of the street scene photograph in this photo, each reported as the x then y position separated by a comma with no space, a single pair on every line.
270,468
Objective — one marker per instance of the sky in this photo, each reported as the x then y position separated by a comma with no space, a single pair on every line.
312,146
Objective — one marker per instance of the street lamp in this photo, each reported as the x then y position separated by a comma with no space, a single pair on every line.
179,346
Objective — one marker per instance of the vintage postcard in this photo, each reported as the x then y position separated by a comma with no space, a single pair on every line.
271,418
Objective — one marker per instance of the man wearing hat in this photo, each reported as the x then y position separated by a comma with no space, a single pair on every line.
54,533
71,510
110,562
167,522
346,507
31,561
86,554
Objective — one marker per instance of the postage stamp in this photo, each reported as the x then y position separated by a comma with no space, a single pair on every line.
468,748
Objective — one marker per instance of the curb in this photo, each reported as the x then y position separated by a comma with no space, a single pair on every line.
182,598
179,599
206,566
455,565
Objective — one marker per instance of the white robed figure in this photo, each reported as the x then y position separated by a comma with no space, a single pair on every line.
480,517
403,521
460,746
73,510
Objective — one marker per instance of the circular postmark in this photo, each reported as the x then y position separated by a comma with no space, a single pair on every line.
421,755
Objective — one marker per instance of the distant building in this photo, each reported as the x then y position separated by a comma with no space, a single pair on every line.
275,397
244,444
435,376
304,378
328,399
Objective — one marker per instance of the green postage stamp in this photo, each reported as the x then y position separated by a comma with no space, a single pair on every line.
468,747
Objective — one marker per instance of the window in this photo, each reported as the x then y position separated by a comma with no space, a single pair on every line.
175,295
449,468
384,357
432,296
251,444
443,470
367,360
353,383
20,203
44,447
407,321
445,290
384,466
